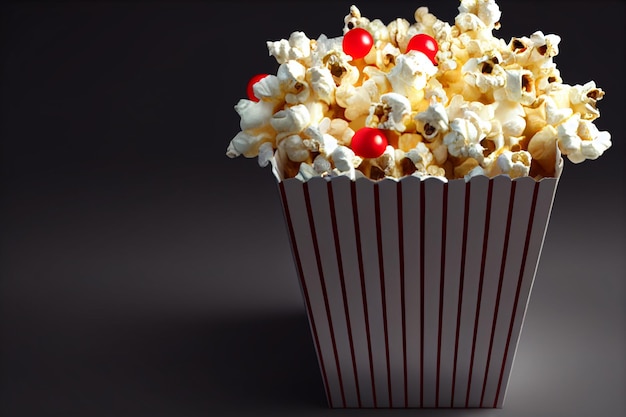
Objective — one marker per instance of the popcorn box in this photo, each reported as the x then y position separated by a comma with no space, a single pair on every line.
417,164
416,289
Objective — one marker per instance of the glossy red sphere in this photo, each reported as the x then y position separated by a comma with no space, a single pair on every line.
425,44
357,43
369,142
251,83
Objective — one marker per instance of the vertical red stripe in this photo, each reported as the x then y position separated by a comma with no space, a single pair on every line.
331,200
461,284
480,289
381,270
421,255
402,295
497,307
444,222
318,259
517,291
359,251
307,301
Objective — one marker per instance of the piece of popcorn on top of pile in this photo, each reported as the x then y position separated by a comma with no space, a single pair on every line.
476,106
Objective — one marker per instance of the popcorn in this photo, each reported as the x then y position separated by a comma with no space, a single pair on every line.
482,106
340,129
542,147
511,117
399,33
321,165
463,140
422,158
537,50
390,112
322,84
306,172
424,17
321,142
291,78
345,161
357,100
591,145
439,151
485,73
268,89
354,20
342,71
298,47
295,148
584,98
514,164
291,120
554,115
486,10
266,152
518,87
433,122
410,75
254,114
317,111
246,144
386,57
408,141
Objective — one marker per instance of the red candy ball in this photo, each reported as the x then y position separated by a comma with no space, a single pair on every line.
369,142
424,44
357,43
251,83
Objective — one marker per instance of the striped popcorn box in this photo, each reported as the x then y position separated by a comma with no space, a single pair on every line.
416,289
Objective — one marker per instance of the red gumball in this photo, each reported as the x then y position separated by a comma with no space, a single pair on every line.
369,142
251,83
357,43
425,44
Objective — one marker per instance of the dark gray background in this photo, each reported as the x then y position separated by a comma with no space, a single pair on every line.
143,273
